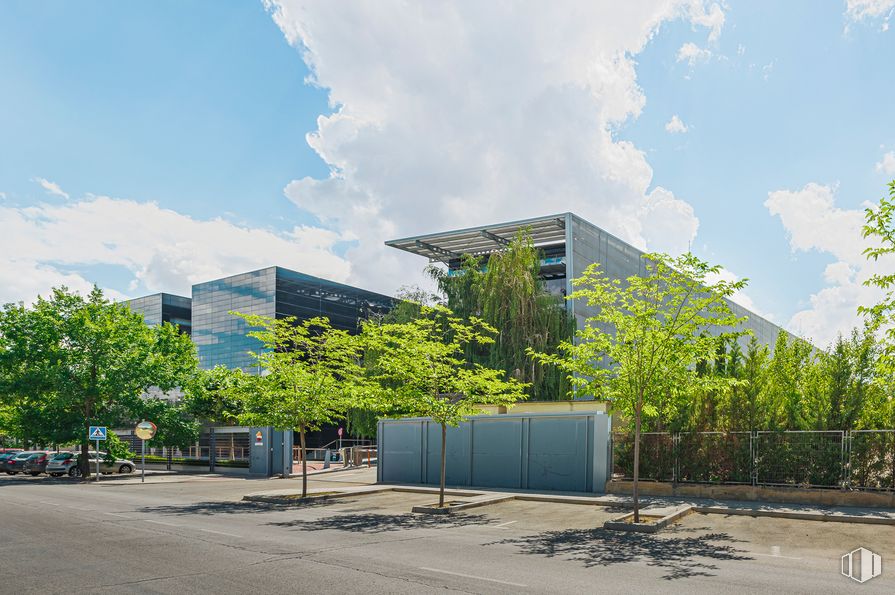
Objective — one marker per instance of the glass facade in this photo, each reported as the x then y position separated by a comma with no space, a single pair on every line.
220,337
568,244
164,307
620,260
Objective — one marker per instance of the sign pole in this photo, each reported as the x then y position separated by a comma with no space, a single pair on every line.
97,460
143,462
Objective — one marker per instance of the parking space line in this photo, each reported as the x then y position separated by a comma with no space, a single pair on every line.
773,556
216,532
116,514
472,576
162,523
505,524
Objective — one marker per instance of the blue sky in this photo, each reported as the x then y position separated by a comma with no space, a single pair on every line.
185,113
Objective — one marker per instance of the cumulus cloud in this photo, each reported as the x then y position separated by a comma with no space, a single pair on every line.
859,10
692,53
675,125
162,249
886,165
463,113
814,223
51,188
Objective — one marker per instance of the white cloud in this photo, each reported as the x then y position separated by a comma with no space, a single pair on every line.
2,196
886,165
692,53
52,187
710,16
164,250
675,125
463,113
814,223
859,10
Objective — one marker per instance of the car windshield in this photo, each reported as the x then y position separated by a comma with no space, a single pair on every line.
63,456
23,456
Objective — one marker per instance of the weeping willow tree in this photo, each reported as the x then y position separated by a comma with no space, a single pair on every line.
506,292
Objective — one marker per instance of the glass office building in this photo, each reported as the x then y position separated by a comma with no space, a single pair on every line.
164,307
220,337
568,245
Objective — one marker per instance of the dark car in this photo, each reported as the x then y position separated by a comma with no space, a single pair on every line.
37,464
4,456
15,464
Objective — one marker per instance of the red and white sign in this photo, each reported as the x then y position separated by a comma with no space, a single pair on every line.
259,438
340,432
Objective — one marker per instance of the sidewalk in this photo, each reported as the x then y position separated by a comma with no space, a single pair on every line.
356,482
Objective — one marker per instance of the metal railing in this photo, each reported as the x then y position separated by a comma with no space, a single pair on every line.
858,459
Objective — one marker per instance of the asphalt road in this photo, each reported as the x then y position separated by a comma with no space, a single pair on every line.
193,535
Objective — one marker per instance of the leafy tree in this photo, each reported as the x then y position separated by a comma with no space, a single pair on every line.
509,295
421,369
880,227
788,370
748,404
311,375
649,333
88,356
211,398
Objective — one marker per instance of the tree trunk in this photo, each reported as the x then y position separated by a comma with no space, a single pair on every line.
304,463
212,449
635,494
441,484
85,444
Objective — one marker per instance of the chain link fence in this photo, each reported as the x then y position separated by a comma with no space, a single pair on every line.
860,459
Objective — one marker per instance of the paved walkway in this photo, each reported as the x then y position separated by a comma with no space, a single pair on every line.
358,481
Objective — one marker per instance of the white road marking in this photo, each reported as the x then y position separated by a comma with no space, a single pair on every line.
123,516
218,532
472,576
161,523
773,556
505,524
189,527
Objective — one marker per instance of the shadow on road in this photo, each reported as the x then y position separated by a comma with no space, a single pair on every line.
375,523
679,557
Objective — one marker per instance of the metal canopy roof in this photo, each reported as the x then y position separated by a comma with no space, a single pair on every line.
447,245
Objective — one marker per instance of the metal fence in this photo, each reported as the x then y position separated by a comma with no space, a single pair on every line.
859,459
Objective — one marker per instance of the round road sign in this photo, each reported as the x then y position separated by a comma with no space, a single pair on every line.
145,430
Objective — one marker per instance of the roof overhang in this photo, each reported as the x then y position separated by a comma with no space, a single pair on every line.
485,239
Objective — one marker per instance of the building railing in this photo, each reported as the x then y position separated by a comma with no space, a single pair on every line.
858,459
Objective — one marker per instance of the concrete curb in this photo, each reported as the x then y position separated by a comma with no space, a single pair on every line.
621,523
803,516
616,524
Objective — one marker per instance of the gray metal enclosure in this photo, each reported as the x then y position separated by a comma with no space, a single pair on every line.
567,452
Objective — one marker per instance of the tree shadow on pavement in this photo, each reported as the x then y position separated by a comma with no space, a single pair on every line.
234,507
376,523
678,557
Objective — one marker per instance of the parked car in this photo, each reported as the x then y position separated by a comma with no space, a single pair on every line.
4,456
67,463
15,464
37,464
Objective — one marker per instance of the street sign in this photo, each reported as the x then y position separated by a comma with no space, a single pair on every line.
97,433
145,430
340,432
259,438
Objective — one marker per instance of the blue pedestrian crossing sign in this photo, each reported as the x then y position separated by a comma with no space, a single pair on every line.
97,432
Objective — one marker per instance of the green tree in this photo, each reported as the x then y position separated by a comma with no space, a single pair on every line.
509,295
310,375
421,369
211,398
880,227
89,356
648,334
